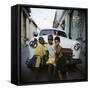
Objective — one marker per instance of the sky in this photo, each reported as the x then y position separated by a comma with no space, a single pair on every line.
43,17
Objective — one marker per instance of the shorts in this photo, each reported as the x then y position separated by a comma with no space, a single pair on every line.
61,65
51,60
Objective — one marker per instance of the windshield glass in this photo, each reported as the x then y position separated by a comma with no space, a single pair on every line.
60,33
47,32
52,32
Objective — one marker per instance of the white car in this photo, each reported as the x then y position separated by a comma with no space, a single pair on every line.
65,43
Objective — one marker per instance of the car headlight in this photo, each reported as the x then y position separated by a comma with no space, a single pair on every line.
33,44
77,46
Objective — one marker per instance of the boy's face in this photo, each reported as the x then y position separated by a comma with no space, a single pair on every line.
41,40
50,40
57,42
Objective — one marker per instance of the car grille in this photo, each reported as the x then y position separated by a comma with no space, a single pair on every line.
67,54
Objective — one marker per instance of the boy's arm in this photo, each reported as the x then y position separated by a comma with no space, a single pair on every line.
56,58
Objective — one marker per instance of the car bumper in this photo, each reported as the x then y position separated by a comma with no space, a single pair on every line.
75,61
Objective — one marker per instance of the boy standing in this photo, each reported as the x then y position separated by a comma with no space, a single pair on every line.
50,48
58,57
40,51
40,54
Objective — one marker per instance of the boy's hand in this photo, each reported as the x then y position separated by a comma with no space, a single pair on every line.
60,55
56,60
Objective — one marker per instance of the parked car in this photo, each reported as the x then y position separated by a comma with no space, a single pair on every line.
67,43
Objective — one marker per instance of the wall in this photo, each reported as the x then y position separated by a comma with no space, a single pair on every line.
28,26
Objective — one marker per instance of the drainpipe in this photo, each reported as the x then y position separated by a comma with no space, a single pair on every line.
70,22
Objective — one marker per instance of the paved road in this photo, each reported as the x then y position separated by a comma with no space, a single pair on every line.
28,75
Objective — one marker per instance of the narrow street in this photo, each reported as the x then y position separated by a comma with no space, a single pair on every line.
70,28
28,75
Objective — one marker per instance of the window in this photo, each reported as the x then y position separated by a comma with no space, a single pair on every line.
63,25
52,32
47,32
60,33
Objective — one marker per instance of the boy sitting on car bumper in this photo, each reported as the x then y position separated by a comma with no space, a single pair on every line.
40,52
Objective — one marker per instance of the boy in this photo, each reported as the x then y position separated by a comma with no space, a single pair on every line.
58,57
51,60
40,51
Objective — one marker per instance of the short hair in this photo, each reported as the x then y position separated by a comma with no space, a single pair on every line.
57,38
41,38
50,36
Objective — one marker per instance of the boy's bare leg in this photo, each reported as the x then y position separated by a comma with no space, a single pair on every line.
67,75
49,69
37,73
54,70
60,75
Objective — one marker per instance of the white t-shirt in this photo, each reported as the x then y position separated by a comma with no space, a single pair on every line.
51,50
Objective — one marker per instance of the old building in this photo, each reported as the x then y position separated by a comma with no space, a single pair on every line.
28,25
74,22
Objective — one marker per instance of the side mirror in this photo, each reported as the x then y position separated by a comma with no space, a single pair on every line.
35,34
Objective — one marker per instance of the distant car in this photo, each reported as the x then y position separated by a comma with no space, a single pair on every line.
67,43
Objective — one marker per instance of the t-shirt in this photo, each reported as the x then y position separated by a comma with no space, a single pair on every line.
58,53
40,52
51,50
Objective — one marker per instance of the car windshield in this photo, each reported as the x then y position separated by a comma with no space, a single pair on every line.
60,33
52,32
47,32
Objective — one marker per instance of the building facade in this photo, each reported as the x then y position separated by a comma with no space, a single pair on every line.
75,25
28,26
